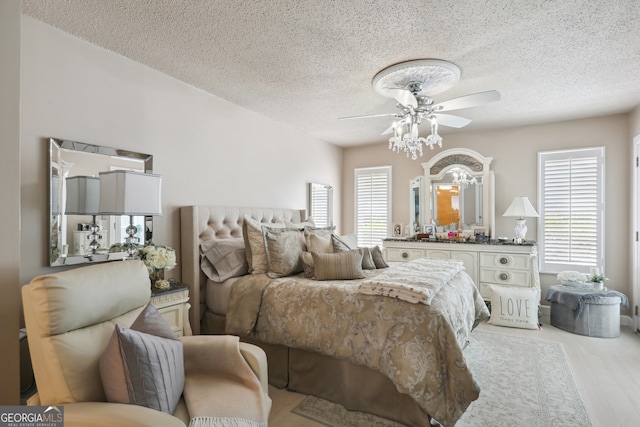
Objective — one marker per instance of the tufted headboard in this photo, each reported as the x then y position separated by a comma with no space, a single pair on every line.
202,223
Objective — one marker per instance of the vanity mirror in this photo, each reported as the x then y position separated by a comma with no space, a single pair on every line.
70,235
458,192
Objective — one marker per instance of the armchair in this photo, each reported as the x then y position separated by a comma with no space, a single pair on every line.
70,317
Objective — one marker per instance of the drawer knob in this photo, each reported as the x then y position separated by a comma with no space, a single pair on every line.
405,255
504,276
504,260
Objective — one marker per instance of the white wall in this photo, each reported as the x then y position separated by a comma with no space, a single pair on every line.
10,195
208,150
514,152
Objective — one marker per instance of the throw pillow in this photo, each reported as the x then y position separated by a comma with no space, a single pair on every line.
309,222
254,244
337,266
284,248
344,243
144,365
378,257
514,307
318,243
307,261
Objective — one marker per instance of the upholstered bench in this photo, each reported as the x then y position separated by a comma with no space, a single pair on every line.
586,311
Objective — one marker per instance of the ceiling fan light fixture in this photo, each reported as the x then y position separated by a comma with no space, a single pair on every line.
411,84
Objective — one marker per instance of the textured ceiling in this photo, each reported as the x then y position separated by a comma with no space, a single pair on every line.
308,62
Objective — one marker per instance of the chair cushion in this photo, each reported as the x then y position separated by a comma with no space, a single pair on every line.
144,365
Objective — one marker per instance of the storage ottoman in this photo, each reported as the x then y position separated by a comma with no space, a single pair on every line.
590,313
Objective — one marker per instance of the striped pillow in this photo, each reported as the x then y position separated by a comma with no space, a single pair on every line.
337,266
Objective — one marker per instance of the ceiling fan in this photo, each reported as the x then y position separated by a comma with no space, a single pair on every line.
412,84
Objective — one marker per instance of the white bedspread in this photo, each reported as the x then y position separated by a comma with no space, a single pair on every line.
420,281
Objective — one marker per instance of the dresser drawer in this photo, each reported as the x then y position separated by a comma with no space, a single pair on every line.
174,316
506,261
505,276
404,254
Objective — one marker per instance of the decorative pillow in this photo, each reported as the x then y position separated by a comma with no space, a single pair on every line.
309,222
367,259
514,307
378,257
307,261
144,365
320,231
284,248
344,243
318,243
254,244
340,245
222,259
337,266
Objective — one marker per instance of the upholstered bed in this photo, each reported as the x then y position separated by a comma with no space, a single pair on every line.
362,340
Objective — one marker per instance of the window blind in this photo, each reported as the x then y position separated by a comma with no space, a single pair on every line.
321,204
572,212
373,204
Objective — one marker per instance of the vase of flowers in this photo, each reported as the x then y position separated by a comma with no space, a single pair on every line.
158,258
598,280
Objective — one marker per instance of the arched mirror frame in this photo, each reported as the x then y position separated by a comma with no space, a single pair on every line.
472,161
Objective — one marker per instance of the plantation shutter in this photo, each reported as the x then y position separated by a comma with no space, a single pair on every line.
373,205
321,204
572,212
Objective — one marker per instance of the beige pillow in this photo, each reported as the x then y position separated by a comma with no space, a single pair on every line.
378,257
367,259
307,261
284,247
254,244
318,243
344,243
337,266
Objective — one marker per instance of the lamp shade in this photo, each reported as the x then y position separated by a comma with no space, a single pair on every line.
83,195
130,193
520,207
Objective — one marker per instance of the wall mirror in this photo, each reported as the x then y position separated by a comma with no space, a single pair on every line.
69,235
458,192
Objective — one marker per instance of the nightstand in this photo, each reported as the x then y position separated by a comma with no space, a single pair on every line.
173,305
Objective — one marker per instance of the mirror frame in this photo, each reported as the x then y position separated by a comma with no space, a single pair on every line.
472,161
56,218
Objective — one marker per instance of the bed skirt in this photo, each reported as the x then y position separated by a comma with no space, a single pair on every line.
355,387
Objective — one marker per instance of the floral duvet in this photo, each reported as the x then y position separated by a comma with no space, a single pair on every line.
419,347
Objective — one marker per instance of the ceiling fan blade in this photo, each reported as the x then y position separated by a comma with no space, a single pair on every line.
367,117
467,101
404,97
451,121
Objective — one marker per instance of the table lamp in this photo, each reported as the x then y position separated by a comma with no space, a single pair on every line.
83,198
520,208
130,193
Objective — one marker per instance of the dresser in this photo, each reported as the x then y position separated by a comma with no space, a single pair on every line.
487,263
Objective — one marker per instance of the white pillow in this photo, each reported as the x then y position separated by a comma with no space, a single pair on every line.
514,307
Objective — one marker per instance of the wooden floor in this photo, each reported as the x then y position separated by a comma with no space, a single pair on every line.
606,371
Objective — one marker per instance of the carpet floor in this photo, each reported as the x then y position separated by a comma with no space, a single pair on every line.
524,382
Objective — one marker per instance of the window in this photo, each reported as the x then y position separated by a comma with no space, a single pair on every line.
571,232
321,204
373,204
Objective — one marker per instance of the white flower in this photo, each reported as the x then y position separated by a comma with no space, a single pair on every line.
158,257
571,276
